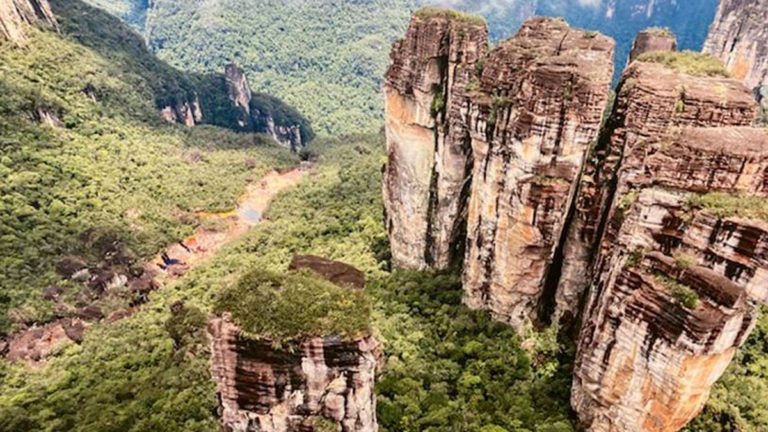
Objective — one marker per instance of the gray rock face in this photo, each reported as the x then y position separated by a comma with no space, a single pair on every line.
739,36
539,107
428,144
15,14
249,117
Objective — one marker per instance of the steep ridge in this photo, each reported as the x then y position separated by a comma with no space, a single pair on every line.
651,99
739,37
539,107
428,145
681,270
15,14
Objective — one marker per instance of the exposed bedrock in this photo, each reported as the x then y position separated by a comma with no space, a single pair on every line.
15,14
264,389
739,36
680,271
537,107
651,101
428,146
652,39
311,384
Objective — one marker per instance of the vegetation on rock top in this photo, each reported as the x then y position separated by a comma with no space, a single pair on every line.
660,31
687,62
293,306
450,14
725,205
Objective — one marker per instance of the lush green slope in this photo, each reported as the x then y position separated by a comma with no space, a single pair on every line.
107,168
324,58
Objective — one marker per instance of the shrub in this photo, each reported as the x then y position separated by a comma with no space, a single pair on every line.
687,62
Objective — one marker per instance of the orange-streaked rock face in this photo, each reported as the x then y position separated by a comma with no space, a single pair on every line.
739,37
426,177
675,287
651,101
537,108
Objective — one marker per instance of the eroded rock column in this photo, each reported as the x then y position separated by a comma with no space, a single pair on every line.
681,269
651,100
428,147
326,381
536,109
652,39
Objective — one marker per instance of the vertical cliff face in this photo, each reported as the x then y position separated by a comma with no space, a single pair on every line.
291,368
739,37
15,14
682,266
325,381
428,146
537,109
651,100
652,39
250,114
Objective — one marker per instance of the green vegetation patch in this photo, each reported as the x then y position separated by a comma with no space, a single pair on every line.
293,306
725,205
450,14
687,62
684,294
660,31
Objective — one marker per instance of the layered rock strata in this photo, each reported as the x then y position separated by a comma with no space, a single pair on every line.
651,100
264,389
428,145
15,14
538,107
683,265
739,36
652,39
316,384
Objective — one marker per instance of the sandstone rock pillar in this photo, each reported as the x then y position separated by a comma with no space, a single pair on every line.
428,149
536,110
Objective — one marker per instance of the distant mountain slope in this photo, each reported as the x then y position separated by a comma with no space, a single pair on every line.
327,58
87,163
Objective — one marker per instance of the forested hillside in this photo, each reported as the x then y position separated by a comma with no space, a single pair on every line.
87,161
326,59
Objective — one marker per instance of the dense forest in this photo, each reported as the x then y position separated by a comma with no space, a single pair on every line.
86,161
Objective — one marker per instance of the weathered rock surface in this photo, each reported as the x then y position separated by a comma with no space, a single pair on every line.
428,144
337,272
652,39
651,100
316,384
676,287
187,112
739,36
539,105
267,389
15,14
250,116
